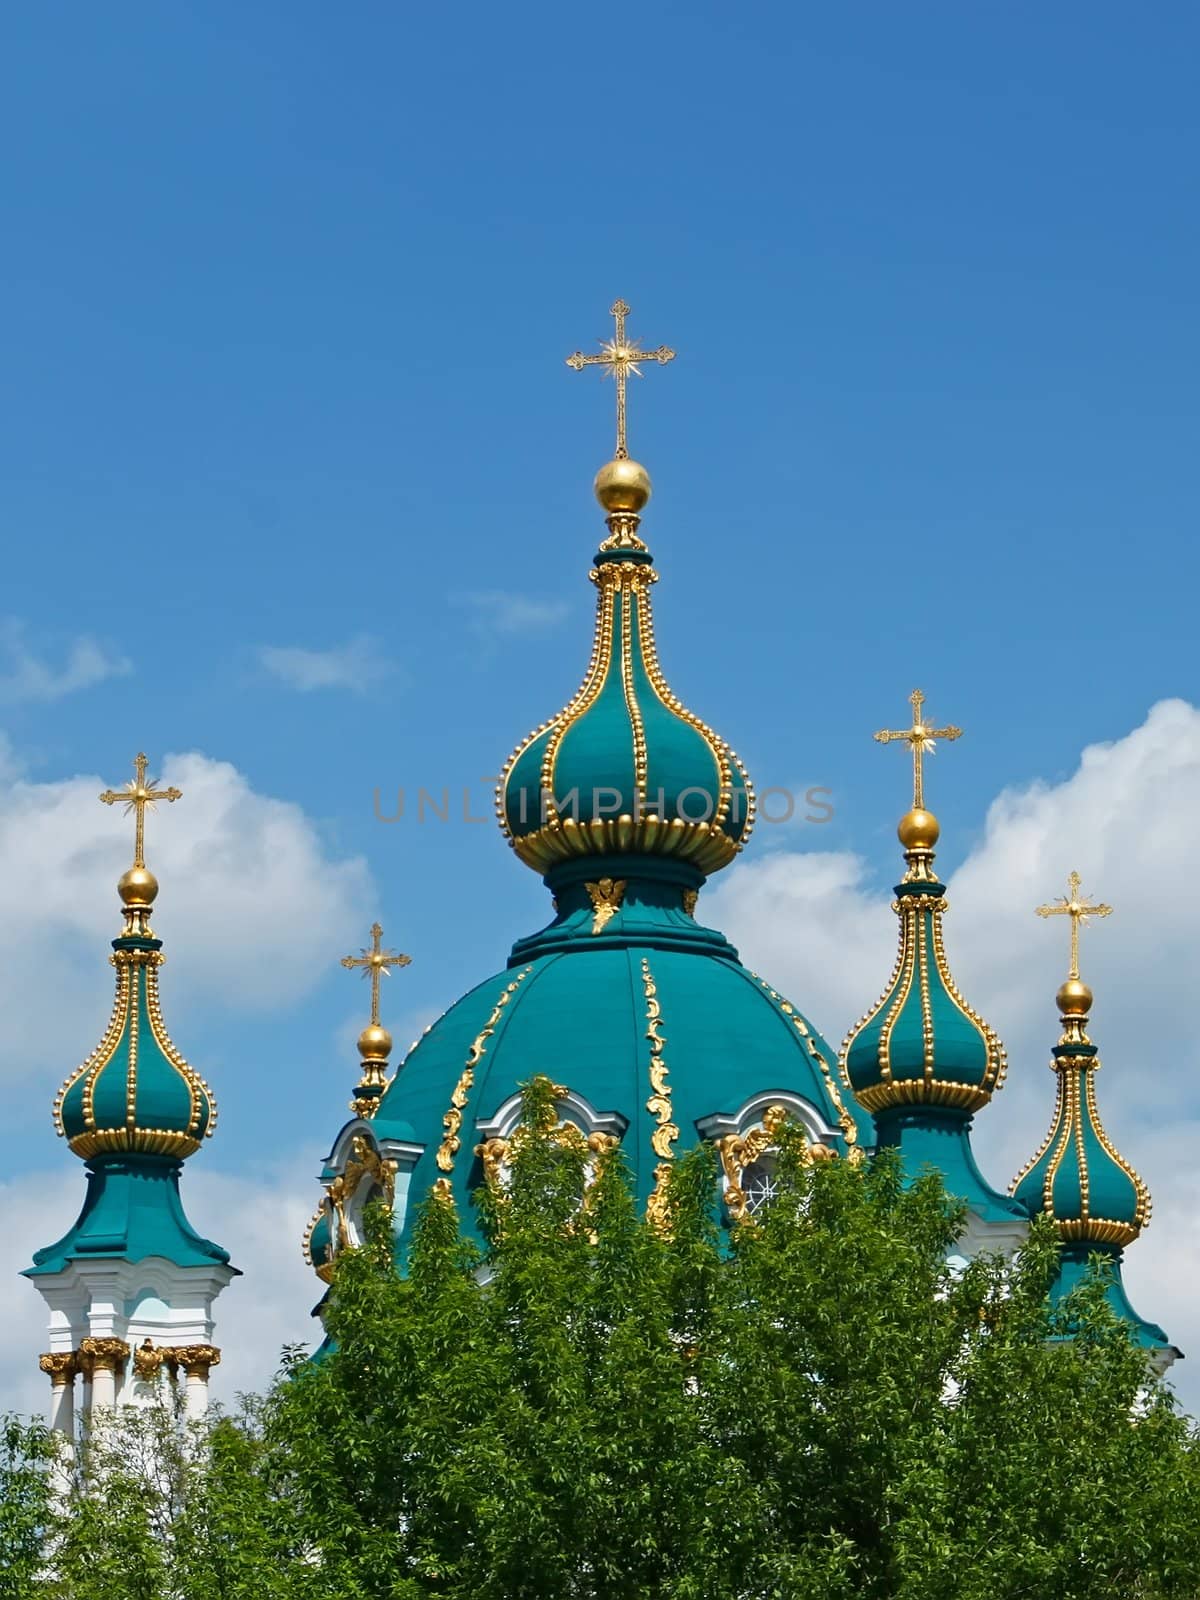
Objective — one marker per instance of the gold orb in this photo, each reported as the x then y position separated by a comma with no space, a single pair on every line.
1074,998
138,887
918,830
622,486
374,1043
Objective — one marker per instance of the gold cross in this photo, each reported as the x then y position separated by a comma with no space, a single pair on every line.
1079,911
136,796
921,740
377,963
621,355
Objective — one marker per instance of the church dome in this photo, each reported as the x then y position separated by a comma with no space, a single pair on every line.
653,1044
135,1093
652,1031
922,1044
1078,1177
625,766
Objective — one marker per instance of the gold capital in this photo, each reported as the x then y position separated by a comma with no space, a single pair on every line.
1079,910
102,1355
377,963
921,739
620,356
136,796
59,1365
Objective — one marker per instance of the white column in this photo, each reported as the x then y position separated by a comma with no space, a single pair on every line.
61,1367
196,1361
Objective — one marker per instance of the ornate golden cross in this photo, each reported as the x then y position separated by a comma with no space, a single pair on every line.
621,355
1070,905
136,796
921,739
377,963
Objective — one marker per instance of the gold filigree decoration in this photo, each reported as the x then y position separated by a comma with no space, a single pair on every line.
739,1151
666,1131
845,1121
453,1120
606,896
620,358
147,1361
365,1162
689,898
921,740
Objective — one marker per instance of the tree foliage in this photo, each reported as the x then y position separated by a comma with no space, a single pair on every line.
589,1406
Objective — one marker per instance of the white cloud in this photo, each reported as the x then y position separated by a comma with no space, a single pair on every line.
504,613
226,857
259,1220
358,666
1125,819
26,676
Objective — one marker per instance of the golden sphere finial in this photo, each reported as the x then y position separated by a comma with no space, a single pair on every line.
918,830
622,485
138,888
374,1043
1074,998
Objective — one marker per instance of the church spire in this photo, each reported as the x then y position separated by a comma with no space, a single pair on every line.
922,1044
923,1061
133,1111
374,1042
135,1092
625,770
1096,1200
1078,1177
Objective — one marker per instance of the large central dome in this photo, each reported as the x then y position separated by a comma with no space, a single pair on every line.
654,1032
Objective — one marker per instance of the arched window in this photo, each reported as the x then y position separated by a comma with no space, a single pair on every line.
747,1144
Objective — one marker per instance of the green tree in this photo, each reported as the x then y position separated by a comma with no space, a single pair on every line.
593,1407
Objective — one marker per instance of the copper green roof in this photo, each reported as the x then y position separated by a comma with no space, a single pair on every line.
135,1092
132,1210
625,767
922,1044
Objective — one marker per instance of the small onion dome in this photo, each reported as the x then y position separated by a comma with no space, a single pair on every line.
135,1092
1078,1177
318,1243
625,768
922,1044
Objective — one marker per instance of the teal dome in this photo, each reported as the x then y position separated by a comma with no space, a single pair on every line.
603,1017
922,1044
135,1092
1077,1176
318,1242
625,766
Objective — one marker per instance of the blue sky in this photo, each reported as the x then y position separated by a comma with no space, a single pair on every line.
287,291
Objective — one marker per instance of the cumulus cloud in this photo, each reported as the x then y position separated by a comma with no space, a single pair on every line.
1125,819
27,677
226,857
358,666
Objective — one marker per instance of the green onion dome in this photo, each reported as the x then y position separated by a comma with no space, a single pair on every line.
135,1092
318,1242
1078,1177
624,767
922,1044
